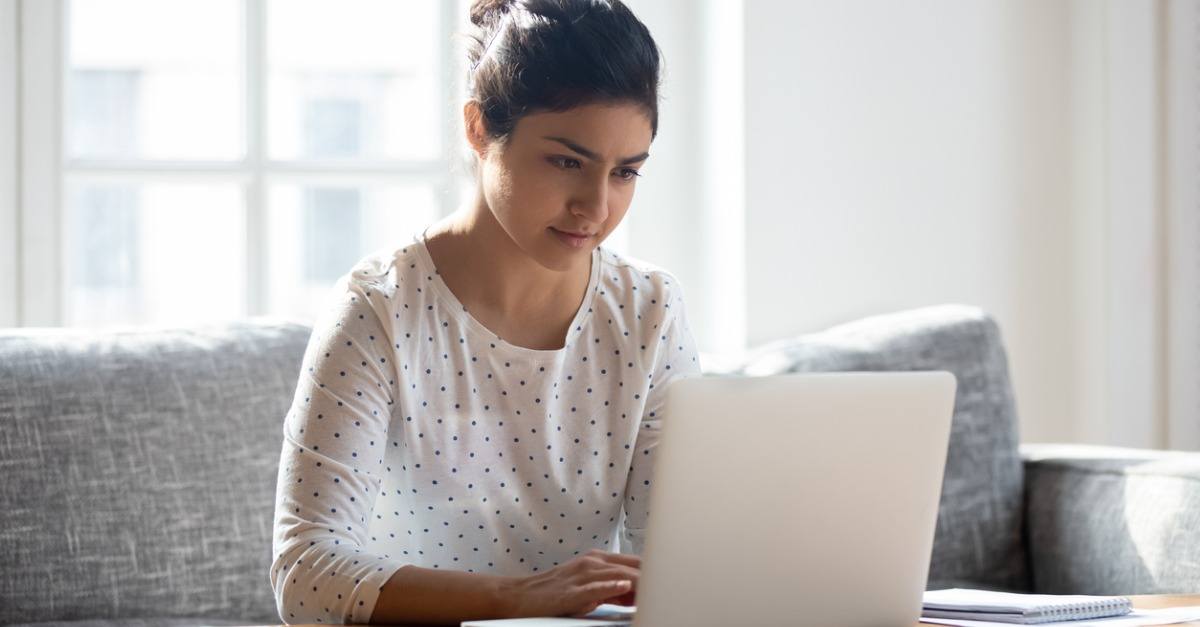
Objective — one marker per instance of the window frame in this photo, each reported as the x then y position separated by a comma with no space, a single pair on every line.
10,241
34,277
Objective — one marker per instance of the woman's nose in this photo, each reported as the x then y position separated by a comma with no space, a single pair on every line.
591,201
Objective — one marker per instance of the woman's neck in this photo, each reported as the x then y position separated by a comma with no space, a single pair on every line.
499,282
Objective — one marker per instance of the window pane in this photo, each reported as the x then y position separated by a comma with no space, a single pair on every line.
318,231
332,234
154,79
353,79
154,253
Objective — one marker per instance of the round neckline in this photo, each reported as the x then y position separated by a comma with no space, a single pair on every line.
460,311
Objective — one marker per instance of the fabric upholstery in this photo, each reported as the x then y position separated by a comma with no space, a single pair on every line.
139,470
1113,521
979,541
138,622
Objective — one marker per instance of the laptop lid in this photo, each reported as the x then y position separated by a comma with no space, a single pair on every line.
796,500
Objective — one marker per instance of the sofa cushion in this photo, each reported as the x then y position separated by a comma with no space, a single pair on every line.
139,470
979,540
137,622
1105,520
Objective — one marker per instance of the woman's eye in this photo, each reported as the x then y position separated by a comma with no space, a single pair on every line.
567,163
628,174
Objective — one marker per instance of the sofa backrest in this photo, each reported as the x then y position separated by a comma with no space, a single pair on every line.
139,466
979,540
139,469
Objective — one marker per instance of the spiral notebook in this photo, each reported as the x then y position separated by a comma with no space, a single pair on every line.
1028,609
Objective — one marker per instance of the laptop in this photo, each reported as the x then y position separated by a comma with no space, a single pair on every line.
801,499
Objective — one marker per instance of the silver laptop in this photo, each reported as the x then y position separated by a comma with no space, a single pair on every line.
792,500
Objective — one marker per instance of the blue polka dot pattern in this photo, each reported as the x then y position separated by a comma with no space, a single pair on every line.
418,436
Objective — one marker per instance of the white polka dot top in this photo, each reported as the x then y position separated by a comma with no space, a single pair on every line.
418,436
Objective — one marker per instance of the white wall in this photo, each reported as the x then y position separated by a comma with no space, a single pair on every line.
902,154
687,214
1182,195
1008,155
1118,204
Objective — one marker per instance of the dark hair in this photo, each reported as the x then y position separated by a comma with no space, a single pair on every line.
552,55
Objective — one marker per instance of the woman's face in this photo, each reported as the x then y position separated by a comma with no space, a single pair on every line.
564,181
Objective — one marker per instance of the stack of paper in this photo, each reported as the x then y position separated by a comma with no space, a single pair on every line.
1007,607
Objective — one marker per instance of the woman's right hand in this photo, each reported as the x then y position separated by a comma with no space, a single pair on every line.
576,587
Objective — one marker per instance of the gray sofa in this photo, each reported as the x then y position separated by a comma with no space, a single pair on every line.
139,471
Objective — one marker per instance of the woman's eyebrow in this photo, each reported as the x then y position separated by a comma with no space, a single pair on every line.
592,155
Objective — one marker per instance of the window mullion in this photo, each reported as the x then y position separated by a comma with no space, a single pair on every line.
10,242
451,89
257,238
42,58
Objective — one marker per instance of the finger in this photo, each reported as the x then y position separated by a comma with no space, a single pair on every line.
624,599
611,573
627,599
586,609
583,613
597,591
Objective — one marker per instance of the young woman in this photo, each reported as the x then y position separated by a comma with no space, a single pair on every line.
476,418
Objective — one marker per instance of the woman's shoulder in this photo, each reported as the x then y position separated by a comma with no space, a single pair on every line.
376,284
626,279
386,267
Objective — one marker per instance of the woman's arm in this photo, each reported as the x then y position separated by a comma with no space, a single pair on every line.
335,437
675,357
433,596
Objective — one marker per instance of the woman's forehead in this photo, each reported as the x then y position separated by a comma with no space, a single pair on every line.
614,131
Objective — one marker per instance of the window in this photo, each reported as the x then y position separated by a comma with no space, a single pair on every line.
333,127
103,112
226,158
331,220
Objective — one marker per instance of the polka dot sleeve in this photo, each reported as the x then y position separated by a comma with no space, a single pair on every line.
675,358
335,436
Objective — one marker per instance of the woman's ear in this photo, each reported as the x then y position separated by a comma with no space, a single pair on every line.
473,125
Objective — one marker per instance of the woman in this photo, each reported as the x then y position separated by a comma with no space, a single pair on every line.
476,419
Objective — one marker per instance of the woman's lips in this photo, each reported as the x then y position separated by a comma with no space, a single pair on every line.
574,240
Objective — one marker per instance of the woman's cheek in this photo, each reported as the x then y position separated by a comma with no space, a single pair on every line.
541,193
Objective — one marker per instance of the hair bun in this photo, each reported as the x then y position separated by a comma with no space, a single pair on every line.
485,11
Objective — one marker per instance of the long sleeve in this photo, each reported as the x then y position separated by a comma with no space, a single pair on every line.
676,357
330,468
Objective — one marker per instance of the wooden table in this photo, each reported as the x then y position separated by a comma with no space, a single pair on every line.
1144,602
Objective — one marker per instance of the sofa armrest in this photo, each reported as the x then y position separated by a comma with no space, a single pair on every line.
1104,520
